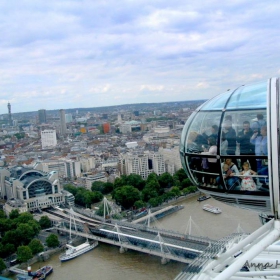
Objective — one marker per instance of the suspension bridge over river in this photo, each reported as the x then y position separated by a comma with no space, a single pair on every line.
168,245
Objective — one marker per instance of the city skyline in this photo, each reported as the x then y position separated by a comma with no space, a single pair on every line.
94,54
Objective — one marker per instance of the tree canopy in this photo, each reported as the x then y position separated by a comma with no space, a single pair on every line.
151,189
16,230
180,175
2,265
36,246
70,188
25,232
6,249
45,222
136,181
24,253
84,197
52,240
14,214
97,186
165,180
103,187
127,196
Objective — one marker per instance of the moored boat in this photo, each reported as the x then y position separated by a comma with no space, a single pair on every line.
212,209
73,252
202,198
264,218
39,274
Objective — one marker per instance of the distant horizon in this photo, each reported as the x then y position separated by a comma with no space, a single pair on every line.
122,105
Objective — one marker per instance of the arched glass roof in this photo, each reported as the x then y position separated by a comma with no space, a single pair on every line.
250,96
31,173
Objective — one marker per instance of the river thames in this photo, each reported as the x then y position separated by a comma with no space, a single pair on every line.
105,262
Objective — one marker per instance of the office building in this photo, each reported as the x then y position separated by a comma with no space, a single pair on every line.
42,116
10,114
48,138
65,168
62,122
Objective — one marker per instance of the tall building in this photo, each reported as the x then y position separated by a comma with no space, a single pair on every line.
10,114
119,118
62,122
42,115
48,138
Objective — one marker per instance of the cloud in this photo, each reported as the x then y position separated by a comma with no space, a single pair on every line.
66,54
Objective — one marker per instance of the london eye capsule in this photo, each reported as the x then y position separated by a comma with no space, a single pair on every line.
230,146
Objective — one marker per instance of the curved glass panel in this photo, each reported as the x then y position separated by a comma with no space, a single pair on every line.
203,126
201,147
237,129
185,130
218,102
225,151
251,96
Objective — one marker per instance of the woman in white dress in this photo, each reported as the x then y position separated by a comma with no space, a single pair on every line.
247,183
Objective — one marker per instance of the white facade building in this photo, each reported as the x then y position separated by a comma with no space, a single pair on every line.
142,164
171,159
48,138
158,163
161,129
125,128
65,168
87,164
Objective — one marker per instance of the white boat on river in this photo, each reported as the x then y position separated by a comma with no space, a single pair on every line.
212,209
73,252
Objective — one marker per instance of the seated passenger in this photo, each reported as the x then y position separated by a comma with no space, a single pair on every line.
247,183
232,178
225,171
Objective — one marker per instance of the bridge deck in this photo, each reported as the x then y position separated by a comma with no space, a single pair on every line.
164,243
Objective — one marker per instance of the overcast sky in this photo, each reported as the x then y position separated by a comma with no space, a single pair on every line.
60,54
